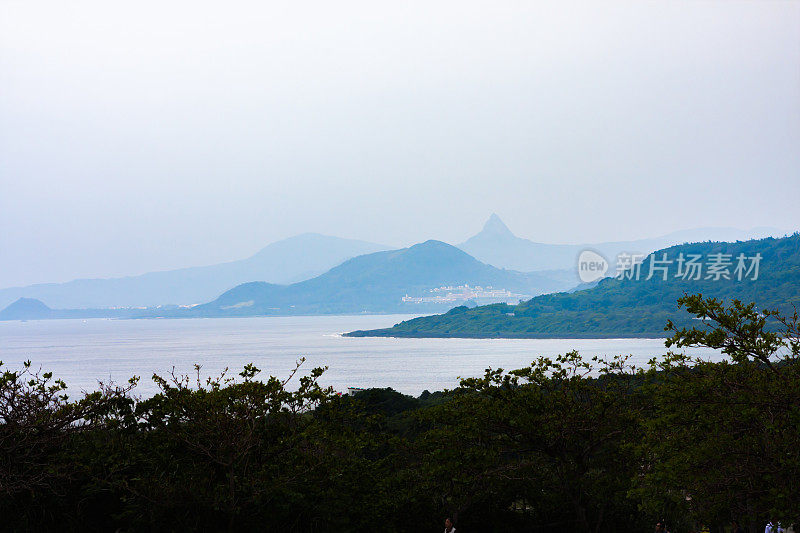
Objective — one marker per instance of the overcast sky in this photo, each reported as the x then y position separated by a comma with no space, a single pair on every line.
142,135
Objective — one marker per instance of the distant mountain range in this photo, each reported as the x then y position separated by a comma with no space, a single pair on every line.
635,307
498,246
371,283
33,309
287,261
376,283
282,265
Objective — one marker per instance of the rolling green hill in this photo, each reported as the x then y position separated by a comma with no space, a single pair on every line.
628,307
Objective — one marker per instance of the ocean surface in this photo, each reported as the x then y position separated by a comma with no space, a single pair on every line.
81,352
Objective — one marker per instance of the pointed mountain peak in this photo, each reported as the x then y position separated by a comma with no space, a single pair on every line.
496,227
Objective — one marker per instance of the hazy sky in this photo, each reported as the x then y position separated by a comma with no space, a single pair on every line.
148,135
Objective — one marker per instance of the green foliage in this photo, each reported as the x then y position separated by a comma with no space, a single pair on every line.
545,444
723,437
564,444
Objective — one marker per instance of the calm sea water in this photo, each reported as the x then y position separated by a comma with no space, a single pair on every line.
84,351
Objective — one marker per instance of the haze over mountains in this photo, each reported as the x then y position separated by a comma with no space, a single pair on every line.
306,256
635,307
33,309
377,283
370,283
286,261
498,246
